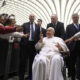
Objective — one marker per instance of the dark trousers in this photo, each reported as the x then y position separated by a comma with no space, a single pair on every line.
3,55
78,67
72,65
26,51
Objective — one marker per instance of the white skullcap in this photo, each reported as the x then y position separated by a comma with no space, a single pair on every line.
12,17
51,28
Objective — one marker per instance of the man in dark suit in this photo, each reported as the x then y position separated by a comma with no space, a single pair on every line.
42,30
58,26
27,47
74,47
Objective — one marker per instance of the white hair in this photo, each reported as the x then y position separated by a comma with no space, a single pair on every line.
51,28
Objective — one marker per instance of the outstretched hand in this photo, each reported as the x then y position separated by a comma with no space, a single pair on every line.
69,40
26,35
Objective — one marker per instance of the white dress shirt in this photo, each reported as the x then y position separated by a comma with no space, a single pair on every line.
30,31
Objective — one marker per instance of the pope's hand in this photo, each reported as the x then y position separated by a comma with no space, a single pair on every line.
59,47
41,37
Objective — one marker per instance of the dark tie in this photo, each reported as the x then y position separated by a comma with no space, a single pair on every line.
32,32
77,27
54,26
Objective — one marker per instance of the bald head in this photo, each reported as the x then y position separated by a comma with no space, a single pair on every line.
31,18
54,18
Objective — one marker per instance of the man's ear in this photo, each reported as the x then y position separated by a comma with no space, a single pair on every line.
54,32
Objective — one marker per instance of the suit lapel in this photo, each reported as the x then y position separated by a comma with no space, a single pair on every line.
74,26
29,26
79,27
35,29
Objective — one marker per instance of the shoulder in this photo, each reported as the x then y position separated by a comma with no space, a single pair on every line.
60,23
27,23
58,39
43,29
49,25
36,25
69,26
45,38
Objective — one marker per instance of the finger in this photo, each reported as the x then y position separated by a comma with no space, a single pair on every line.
58,44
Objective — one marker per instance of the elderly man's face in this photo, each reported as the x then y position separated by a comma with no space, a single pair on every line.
31,18
75,18
54,19
49,33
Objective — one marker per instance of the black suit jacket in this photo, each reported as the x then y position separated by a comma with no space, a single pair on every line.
70,31
26,29
59,29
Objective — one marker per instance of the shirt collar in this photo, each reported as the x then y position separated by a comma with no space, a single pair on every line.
33,23
75,24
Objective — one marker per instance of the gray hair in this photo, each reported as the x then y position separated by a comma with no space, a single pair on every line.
51,28
75,14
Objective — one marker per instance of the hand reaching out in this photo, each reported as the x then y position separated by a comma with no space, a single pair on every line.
69,40
26,35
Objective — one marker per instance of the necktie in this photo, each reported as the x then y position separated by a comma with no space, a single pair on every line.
54,26
77,27
32,32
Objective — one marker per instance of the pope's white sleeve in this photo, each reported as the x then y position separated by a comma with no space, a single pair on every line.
63,45
39,45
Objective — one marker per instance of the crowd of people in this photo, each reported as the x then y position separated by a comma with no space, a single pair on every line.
43,47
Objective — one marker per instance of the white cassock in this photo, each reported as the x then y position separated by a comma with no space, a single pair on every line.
14,34
48,64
